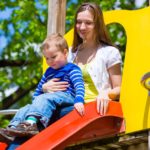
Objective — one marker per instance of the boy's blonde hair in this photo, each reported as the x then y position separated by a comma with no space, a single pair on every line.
57,39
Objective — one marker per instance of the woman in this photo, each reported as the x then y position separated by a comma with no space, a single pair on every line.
99,61
93,52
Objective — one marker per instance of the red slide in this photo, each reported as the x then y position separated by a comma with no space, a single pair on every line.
73,128
3,146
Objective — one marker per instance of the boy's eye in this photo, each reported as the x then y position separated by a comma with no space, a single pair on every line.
53,57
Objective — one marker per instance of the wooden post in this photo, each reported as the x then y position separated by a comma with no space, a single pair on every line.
56,16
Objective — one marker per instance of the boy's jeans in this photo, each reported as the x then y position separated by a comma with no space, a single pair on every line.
45,106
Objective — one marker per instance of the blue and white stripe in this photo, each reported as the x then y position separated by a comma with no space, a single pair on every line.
70,73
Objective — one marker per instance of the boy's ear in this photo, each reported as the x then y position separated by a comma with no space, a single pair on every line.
65,51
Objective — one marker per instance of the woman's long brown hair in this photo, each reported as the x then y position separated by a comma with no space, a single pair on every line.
101,34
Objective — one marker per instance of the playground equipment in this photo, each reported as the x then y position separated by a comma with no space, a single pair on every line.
72,128
134,99
146,81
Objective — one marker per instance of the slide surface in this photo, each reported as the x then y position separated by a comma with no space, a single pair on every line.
73,128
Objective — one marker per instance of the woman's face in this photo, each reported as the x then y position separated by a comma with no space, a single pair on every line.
85,25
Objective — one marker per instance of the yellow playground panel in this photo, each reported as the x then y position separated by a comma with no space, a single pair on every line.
134,98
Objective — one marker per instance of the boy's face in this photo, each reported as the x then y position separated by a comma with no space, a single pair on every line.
55,58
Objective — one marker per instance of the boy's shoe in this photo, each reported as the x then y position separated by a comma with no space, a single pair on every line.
24,129
5,137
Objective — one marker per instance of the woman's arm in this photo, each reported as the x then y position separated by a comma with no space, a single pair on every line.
114,93
115,79
54,85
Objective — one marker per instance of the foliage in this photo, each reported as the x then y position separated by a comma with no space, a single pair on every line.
4,122
25,28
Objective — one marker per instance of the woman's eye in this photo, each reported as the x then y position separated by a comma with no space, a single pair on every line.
79,22
88,23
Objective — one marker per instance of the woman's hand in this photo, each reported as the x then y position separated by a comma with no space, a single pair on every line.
54,85
102,103
114,94
80,108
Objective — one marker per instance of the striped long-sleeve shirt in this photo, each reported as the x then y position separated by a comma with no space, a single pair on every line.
70,73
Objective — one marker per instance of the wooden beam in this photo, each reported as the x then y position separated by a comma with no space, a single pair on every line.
56,16
134,141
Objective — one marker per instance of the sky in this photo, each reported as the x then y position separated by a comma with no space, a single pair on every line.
4,15
139,2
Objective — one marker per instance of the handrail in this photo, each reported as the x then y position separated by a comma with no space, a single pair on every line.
8,111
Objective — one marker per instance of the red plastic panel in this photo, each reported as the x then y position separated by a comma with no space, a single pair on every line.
73,128
3,146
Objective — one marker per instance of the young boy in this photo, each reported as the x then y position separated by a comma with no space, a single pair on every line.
55,50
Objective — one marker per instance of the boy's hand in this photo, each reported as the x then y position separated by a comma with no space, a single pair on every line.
80,108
